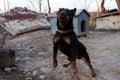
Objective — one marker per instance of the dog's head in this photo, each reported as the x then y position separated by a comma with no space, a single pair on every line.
65,18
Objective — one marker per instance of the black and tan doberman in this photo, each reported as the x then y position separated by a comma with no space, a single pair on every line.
66,41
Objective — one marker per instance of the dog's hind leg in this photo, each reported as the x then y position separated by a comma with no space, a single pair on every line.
73,64
86,59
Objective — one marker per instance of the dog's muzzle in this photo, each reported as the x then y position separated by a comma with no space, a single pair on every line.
62,17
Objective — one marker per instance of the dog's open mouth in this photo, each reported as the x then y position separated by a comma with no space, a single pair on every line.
62,24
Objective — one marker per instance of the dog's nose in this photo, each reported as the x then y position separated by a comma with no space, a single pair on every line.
62,14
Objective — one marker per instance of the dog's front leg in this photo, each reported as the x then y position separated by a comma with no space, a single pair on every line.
55,50
73,62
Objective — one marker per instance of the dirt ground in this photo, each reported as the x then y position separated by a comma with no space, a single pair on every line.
34,57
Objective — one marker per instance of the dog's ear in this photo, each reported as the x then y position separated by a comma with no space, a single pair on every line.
74,11
59,10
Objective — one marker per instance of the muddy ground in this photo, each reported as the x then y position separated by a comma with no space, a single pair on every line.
34,57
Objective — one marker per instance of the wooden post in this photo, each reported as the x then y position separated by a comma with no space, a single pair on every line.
118,4
102,6
4,6
39,6
49,8
2,40
7,58
8,4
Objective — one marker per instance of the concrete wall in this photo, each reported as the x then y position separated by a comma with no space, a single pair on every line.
111,22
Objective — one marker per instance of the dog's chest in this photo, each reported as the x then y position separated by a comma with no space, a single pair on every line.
63,40
64,45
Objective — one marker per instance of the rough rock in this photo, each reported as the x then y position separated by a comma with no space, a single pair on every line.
8,70
42,77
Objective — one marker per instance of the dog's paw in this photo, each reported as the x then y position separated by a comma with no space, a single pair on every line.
55,64
94,74
74,70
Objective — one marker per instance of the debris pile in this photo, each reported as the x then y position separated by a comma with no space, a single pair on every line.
20,20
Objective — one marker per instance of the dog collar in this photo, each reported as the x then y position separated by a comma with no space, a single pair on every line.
61,31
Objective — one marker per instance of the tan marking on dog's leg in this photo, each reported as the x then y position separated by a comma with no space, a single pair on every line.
74,67
90,66
61,25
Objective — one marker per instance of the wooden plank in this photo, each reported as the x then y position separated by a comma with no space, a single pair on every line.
118,4
108,14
